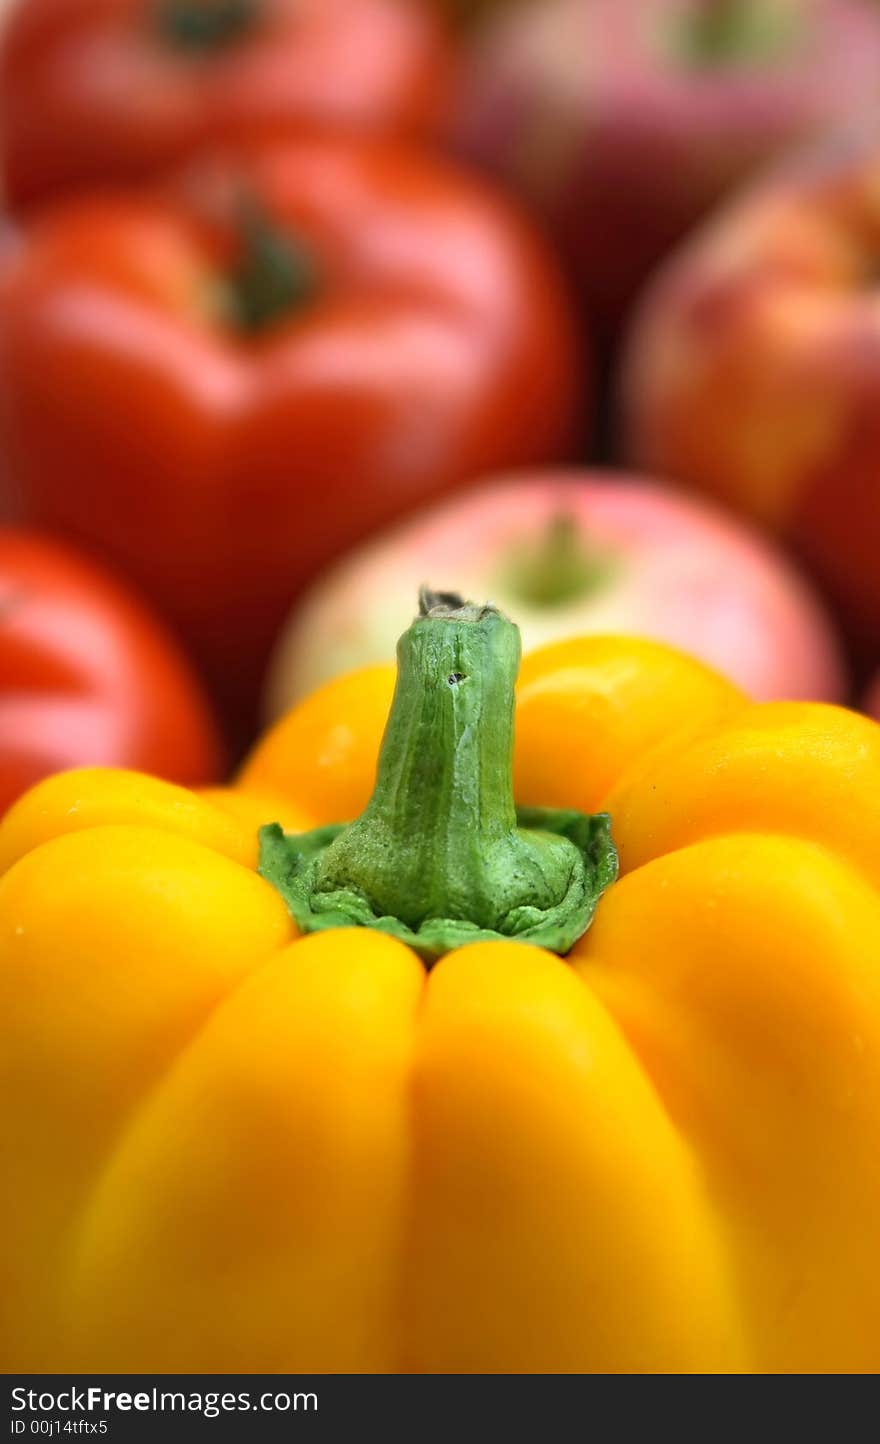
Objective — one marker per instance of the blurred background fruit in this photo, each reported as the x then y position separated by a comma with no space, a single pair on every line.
753,371
570,553
89,676
222,386
469,12
250,317
110,90
623,121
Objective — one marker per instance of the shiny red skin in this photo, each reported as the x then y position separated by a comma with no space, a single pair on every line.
752,370
222,470
584,107
91,92
88,676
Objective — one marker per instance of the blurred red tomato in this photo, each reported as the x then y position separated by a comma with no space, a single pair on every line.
222,394
95,90
87,676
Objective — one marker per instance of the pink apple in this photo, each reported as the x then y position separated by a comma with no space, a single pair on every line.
571,552
752,370
623,121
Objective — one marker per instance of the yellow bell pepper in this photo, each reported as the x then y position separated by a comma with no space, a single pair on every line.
230,1147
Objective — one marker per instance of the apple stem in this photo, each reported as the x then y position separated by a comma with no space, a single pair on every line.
723,31
558,568
716,28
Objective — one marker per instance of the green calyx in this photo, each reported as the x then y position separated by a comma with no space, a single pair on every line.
273,277
441,857
200,26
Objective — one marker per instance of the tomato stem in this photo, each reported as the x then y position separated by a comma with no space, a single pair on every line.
206,25
441,856
274,276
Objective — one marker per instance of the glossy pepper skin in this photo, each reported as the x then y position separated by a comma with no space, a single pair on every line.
656,1154
89,676
220,442
97,91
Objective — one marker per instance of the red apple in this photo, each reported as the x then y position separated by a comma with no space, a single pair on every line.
872,701
468,12
753,371
623,121
567,553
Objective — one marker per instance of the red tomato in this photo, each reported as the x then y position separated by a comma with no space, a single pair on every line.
95,90
221,408
87,676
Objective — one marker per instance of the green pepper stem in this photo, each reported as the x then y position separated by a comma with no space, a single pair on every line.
200,26
442,815
441,856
